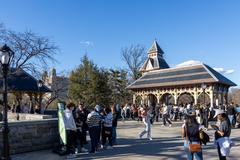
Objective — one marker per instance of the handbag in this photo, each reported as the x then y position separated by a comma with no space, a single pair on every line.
193,148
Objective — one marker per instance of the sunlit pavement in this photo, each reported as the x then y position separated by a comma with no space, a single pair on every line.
167,144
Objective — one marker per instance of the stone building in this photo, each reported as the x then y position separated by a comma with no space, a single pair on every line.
159,82
58,84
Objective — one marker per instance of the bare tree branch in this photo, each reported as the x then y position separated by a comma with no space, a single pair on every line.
32,51
134,57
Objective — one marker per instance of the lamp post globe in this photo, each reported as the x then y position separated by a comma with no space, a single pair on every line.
40,84
5,58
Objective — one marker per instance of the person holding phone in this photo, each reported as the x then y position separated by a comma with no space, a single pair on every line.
222,134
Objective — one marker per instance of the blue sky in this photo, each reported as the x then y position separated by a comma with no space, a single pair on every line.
206,30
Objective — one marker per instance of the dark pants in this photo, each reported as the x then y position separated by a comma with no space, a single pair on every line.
94,133
166,118
71,141
80,138
107,133
84,133
205,122
220,155
157,116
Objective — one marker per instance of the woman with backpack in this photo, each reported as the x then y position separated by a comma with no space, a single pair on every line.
190,132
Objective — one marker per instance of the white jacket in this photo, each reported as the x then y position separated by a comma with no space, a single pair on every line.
69,120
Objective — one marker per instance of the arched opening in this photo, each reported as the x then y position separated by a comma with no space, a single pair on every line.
185,98
152,100
167,99
201,99
138,100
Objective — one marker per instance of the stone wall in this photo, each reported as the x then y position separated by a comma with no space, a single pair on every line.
26,136
26,116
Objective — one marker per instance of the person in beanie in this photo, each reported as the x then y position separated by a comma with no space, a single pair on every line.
93,121
70,127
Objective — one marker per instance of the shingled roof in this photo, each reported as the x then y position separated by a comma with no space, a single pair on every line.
197,74
155,48
20,81
155,59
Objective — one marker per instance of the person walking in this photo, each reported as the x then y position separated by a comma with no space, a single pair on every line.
165,113
222,134
190,133
146,120
93,121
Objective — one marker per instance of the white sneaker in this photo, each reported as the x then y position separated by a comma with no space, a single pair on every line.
76,151
109,147
84,149
102,146
170,125
150,138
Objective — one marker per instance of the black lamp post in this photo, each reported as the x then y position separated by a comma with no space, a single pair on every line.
204,86
40,84
5,54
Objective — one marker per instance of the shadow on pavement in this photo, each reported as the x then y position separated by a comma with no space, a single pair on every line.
171,148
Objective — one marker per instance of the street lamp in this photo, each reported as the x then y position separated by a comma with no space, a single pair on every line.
5,58
203,86
40,84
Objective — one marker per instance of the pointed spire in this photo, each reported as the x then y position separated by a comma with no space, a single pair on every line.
155,48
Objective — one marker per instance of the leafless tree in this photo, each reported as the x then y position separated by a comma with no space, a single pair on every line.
59,88
134,57
234,96
32,52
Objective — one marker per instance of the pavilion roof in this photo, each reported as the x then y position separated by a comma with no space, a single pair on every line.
187,75
21,81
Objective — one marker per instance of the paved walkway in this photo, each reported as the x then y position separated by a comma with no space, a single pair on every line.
166,145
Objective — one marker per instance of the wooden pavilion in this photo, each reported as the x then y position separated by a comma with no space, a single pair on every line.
20,82
159,82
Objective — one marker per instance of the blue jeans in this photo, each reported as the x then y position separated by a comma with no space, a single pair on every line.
114,135
230,117
94,133
190,156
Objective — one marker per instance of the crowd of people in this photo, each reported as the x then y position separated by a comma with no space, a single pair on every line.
101,123
25,108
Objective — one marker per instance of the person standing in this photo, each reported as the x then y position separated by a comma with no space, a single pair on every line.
80,119
146,120
231,113
70,127
157,110
206,116
114,124
107,128
222,134
93,121
190,132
